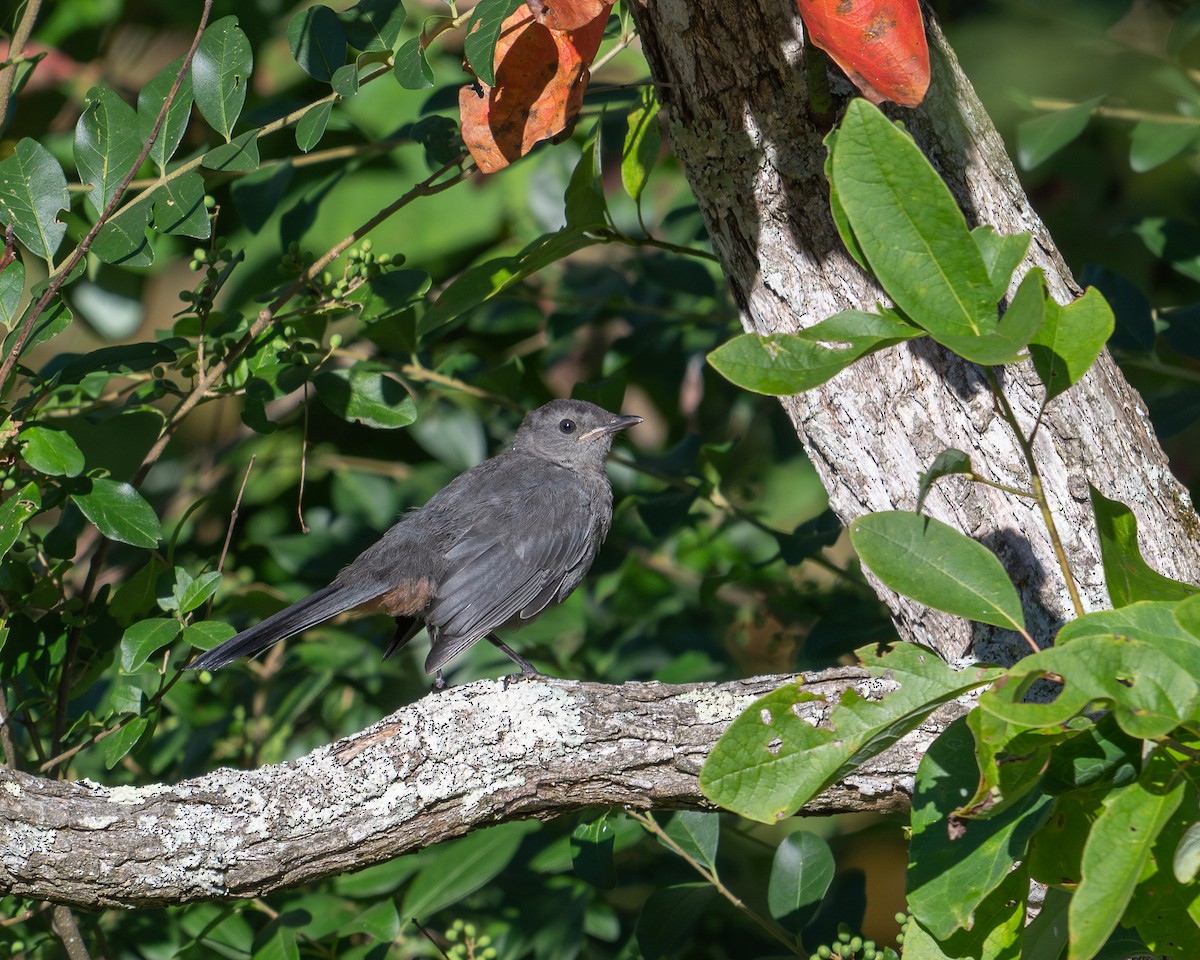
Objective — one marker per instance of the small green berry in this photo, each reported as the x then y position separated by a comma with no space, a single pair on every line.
209,201
367,244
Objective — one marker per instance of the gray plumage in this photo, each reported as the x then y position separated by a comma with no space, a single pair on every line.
492,549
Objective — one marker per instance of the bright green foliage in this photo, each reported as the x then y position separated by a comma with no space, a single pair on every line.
1069,341
221,74
1128,577
483,29
800,877
1044,136
932,562
771,761
643,140
32,191
106,145
790,363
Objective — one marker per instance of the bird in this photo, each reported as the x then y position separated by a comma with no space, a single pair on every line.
493,549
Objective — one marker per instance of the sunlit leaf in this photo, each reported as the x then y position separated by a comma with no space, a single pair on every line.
931,562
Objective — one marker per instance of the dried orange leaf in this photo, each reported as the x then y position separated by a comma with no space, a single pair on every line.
541,75
569,14
880,44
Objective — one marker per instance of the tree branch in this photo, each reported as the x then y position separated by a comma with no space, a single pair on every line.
468,757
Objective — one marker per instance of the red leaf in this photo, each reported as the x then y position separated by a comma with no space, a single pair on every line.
540,78
569,14
880,44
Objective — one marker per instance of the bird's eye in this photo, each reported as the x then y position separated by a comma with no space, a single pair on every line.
567,426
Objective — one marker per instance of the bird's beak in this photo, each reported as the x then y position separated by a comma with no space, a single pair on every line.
618,423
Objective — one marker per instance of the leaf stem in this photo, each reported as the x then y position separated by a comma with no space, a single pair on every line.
1039,493
8,76
652,825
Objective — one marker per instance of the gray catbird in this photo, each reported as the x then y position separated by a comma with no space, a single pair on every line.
494,548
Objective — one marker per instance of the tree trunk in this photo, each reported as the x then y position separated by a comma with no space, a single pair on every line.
731,81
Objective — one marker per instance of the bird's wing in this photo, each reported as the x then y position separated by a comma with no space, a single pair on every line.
510,563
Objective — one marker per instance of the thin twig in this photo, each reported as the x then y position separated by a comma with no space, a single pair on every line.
648,821
20,37
7,744
233,515
1039,493
66,928
60,276
428,936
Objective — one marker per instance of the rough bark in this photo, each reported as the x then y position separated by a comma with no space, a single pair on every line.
731,81
466,758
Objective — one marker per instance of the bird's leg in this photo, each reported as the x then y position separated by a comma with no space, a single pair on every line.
439,684
527,668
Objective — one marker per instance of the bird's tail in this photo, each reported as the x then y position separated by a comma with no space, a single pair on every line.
313,609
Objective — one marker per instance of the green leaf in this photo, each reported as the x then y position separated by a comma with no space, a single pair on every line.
373,24
801,873
643,141
771,760
1152,144
149,105
461,867
366,397
915,239
592,852
788,363
1026,310
33,188
483,30
12,288
311,127
1186,863
240,154
221,74
380,922
840,220
122,240
697,834
390,294
179,207
1046,936
934,564
668,917
1002,254
207,634
142,640
412,69
199,590
1128,577
107,142
583,201
124,740
120,513
51,452
1176,242
484,281
1070,340
1042,137
949,878
945,464
317,41
53,321
345,80
1117,851
15,511
998,932
1137,660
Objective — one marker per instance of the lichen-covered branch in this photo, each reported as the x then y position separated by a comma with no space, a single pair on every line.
453,762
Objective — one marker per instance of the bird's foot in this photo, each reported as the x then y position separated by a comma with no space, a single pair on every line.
439,683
